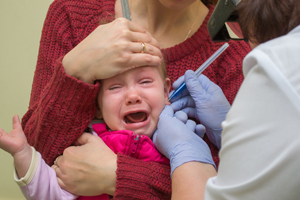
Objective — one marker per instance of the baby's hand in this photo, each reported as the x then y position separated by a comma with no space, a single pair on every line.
15,142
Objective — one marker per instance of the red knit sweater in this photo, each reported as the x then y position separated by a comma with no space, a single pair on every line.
60,104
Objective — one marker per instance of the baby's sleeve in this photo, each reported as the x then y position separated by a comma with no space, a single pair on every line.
40,181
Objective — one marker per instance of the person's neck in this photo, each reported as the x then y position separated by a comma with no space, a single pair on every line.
168,26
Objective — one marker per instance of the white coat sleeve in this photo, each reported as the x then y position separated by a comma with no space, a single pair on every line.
260,154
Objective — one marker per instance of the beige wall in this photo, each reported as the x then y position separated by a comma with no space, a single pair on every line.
21,22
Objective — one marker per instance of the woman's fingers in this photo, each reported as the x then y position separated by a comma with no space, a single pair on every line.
94,165
110,50
146,48
139,59
144,37
138,35
131,25
60,182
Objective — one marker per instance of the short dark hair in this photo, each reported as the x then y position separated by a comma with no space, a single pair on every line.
263,20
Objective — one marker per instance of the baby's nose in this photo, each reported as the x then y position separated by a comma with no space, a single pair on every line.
133,97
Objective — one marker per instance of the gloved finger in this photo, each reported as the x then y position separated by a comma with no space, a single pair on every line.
191,112
193,85
183,102
182,116
167,111
183,93
178,82
191,125
154,137
209,86
200,130
176,85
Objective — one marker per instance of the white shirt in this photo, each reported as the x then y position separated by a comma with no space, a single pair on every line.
260,154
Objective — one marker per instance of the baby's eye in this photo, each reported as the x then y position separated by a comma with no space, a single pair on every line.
114,87
146,81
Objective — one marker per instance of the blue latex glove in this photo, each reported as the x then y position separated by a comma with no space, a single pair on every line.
199,129
178,142
203,100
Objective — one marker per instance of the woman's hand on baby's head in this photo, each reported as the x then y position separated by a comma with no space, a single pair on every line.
14,142
111,49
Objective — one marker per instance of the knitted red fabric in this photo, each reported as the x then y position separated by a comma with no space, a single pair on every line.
143,180
61,106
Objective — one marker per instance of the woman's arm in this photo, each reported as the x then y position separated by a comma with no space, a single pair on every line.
74,52
60,106
142,180
98,168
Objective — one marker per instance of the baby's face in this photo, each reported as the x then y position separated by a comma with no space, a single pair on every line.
134,100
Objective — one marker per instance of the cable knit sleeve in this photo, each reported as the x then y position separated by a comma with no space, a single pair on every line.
61,107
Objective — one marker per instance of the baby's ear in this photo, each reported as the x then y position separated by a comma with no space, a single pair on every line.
98,114
167,90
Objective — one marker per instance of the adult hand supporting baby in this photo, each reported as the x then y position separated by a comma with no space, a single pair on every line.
81,168
205,101
112,49
177,141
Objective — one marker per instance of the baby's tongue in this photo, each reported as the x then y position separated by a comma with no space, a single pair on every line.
136,117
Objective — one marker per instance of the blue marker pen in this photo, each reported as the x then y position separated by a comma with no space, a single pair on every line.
201,69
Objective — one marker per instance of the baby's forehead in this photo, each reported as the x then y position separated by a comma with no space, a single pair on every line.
145,67
160,68
137,71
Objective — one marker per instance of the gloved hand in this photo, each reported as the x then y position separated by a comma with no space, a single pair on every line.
199,129
178,142
205,101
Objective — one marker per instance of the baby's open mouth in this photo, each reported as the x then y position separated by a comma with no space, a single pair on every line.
135,117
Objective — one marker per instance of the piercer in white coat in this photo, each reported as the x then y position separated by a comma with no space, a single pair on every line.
260,145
